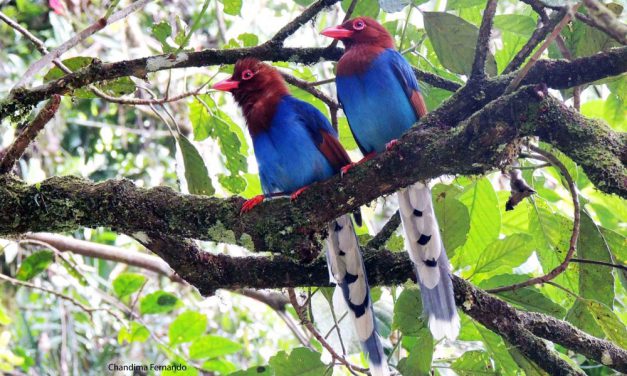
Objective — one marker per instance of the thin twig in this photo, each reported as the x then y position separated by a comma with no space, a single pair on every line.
609,264
332,103
386,232
300,311
538,36
561,45
349,12
17,148
572,247
483,41
307,15
76,39
523,72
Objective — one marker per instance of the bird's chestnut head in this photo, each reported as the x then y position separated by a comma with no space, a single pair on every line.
360,30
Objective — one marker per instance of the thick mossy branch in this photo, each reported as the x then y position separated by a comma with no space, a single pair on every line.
477,145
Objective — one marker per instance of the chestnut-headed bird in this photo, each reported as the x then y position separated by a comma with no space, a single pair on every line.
381,99
296,146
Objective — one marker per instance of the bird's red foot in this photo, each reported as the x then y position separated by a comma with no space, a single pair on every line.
295,195
250,204
344,170
390,145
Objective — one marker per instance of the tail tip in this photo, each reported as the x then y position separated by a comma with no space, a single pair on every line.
445,328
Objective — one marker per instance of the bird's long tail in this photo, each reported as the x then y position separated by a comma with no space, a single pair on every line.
426,250
346,267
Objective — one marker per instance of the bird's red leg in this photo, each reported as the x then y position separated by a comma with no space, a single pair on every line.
368,157
390,145
250,204
295,195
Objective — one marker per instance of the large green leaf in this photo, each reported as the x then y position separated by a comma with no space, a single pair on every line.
502,255
196,174
579,315
188,326
211,346
485,221
300,362
418,362
158,302
505,364
454,41
408,312
127,283
454,221
255,371
595,281
34,264
529,298
515,23
607,320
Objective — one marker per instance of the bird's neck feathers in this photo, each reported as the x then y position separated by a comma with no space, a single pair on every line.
259,106
359,55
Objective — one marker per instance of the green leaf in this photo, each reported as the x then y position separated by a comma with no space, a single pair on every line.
607,320
408,312
119,86
583,40
188,326
530,368
4,318
255,371
136,333
418,362
461,4
127,283
300,362
221,366
211,346
595,281
34,264
454,221
497,348
485,221
232,7
72,270
529,298
196,174
179,367
579,315
158,302
473,363
504,254
345,134
454,40
248,39
369,8
161,32
515,23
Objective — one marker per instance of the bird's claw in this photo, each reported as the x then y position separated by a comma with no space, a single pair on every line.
344,170
250,204
390,145
295,195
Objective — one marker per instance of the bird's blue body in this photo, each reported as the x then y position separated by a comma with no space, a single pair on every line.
287,151
377,101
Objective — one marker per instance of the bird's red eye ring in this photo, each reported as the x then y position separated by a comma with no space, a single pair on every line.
247,74
359,25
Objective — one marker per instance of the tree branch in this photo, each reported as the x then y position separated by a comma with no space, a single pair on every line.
483,41
289,29
17,148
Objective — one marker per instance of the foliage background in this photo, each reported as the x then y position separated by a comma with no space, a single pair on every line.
140,317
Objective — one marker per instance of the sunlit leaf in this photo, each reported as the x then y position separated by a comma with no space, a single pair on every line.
127,283
136,333
232,7
34,264
300,362
211,346
454,41
158,302
196,174
187,326
368,8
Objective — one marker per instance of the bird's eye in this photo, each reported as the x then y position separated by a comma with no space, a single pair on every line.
247,74
359,25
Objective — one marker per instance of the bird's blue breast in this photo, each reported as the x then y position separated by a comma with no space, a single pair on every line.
286,152
375,103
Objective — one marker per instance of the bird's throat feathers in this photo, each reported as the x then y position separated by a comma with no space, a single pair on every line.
357,59
260,105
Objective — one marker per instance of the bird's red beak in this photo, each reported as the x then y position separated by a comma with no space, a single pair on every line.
337,32
226,85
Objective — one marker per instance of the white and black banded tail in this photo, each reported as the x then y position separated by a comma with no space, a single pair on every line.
426,250
346,267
